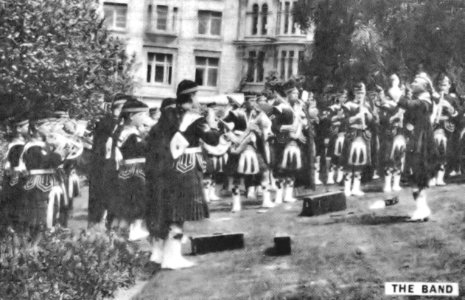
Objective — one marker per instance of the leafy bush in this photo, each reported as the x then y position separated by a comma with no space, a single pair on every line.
90,265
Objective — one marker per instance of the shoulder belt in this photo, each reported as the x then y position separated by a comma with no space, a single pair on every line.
188,119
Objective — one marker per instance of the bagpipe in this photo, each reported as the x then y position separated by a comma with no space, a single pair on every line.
65,136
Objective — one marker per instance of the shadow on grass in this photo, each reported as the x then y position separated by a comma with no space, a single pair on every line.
369,219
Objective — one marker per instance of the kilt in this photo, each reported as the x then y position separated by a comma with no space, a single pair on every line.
392,155
11,201
96,189
442,140
130,202
249,162
335,147
348,157
36,194
177,196
424,155
291,160
216,164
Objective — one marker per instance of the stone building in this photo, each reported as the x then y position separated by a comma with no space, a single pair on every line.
224,45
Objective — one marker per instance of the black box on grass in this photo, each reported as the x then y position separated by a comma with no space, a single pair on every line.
323,203
217,242
282,245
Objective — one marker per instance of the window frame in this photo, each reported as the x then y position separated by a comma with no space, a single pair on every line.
210,16
206,68
114,9
166,67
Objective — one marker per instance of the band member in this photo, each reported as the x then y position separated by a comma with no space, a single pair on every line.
255,141
42,194
102,173
331,136
217,160
241,164
67,171
392,137
129,149
357,145
419,103
446,120
179,196
289,122
11,203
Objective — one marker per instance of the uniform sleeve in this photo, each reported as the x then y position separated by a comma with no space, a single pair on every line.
409,104
206,133
275,124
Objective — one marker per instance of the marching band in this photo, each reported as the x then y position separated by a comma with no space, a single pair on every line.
153,170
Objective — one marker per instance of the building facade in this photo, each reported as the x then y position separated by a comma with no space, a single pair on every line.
224,45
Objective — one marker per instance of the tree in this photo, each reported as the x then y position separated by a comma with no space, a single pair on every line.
57,53
368,39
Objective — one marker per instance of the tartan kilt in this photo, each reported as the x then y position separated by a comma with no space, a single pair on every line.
216,164
286,164
131,201
176,197
334,149
11,200
348,156
36,193
392,158
425,154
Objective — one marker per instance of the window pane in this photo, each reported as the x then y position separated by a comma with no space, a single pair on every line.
260,69
159,73
255,19
175,17
213,61
203,22
170,74
160,57
162,17
149,72
199,76
151,56
283,65
169,58
264,18
251,67
286,16
108,12
200,61
121,12
216,26
291,64
212,76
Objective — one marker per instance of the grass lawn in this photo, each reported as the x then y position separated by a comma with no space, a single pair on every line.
332,258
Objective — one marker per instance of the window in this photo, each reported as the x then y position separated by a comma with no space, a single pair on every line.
175,17
255,68
115,15
206,71
160,68
162,17
264,18
288,64
255,19
209,22
287,10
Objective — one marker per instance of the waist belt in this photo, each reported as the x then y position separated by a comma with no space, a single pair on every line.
192,150
133,161
41,171
358,127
